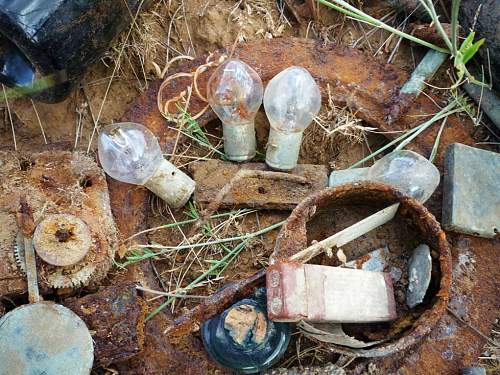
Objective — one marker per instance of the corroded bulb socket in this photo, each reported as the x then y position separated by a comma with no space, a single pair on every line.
171,184
235,92
239,141
130,153
283,149
62,239
291,100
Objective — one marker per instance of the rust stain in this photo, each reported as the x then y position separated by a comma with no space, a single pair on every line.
370,89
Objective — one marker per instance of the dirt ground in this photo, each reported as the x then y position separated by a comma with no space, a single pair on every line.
172,28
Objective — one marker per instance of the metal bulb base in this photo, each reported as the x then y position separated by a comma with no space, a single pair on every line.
283,150
171,184
239,141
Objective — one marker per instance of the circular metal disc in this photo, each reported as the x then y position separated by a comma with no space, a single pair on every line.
45,339
62,239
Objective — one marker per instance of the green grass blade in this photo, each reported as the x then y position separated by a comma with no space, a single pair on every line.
455,6
347,9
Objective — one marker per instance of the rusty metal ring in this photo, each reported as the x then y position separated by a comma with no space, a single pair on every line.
292,238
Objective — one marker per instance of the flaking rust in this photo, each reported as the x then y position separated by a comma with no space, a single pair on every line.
366,86
115,318
55,182
265,189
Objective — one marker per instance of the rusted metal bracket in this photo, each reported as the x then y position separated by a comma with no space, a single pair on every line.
370,89
263,188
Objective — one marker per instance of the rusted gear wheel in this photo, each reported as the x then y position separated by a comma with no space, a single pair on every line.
93,264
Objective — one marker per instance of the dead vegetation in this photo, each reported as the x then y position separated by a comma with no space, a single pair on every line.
192,266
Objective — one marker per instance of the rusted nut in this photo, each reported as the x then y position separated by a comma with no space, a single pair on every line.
293,237
62,239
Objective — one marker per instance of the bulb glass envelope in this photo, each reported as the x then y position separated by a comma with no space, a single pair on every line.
291,100
235,94
129,152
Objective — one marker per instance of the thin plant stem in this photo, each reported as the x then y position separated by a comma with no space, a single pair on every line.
166,249
210,271
351,11
185,222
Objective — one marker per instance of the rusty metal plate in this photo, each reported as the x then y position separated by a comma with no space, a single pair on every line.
55,182
44,339
370,89
115,317
266,189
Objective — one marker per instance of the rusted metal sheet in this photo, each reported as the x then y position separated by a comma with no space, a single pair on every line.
115,318
55,182
265,189
357,80
475,298
429,33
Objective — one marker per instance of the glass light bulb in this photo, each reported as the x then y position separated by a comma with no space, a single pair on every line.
130,153
291,100
235,93
410,172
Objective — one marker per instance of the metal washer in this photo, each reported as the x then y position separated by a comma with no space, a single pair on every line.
44,338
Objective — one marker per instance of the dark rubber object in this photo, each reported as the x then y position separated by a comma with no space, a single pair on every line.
488,27
57,40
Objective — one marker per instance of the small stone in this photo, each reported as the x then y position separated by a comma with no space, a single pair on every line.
471,197
474,371
396,274
419,275
375,260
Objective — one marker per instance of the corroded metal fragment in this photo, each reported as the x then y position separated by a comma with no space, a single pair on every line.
264,189
55,182
62,239
115,317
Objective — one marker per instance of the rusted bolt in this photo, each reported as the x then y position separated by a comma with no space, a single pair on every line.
62,239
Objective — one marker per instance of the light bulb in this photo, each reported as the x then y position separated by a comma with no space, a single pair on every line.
291,100
235,93
410,172
130,153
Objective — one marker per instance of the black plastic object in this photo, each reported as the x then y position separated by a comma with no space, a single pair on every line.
243,339
46,45
483,16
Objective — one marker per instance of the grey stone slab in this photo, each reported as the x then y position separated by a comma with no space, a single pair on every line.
471,197
345,176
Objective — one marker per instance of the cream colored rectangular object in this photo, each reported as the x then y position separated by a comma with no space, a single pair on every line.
171,184
328,294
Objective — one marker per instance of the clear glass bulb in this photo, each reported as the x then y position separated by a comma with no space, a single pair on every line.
235,93
291,100
410,172
130,153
